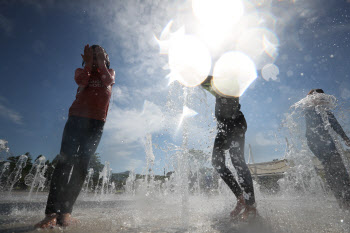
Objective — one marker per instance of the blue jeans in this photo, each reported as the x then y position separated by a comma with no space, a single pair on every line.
80,139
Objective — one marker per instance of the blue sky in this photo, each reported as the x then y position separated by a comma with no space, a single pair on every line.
41,43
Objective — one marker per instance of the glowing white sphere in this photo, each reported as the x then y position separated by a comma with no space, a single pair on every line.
270,71
260,44
189,61
233,73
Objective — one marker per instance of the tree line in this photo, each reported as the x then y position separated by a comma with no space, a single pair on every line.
95,163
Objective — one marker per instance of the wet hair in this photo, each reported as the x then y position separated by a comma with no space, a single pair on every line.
315,90
107,58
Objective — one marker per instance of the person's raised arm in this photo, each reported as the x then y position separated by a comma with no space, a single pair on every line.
82,76
337,127
107,76
206,84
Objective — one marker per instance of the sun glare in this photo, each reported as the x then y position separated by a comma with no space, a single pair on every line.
216,12
189,61
186,112
216,19
260,44
233,73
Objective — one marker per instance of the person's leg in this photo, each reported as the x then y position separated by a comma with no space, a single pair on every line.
89,142
337,177
218,160
237,131
69,147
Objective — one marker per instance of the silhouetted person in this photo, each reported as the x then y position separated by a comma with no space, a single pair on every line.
232,126
81,135
323,147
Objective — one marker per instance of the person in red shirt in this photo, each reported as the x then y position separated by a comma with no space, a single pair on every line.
81,135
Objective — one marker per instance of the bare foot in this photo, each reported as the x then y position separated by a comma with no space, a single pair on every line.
49,221
239,207
66,220
250,210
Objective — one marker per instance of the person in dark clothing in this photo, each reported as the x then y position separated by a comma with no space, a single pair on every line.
81,135
232,126
323,147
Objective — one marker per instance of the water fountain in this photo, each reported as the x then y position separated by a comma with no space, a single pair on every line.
205,213
17,172
5,169
4,146
88,183
149,182
130,184
5,165
104,176
35,177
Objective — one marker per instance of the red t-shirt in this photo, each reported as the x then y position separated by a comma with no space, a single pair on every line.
93,94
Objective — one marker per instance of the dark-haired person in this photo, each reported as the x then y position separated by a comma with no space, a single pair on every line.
81,135
323,147
232,126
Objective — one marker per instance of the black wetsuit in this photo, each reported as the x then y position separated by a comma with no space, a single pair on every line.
80,139
323,147
231,136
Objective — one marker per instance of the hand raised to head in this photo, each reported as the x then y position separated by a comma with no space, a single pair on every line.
101,57
88,55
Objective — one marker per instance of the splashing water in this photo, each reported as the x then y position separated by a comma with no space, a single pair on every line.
304,175
35,177
4,146
208,201
105,177
130,184
3,175
88,181
17,172
4,150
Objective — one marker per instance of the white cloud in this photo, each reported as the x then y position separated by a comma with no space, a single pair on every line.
10,114
121,94
126,128
133,164
131,125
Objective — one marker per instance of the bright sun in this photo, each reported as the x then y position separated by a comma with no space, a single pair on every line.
189,61
217,12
